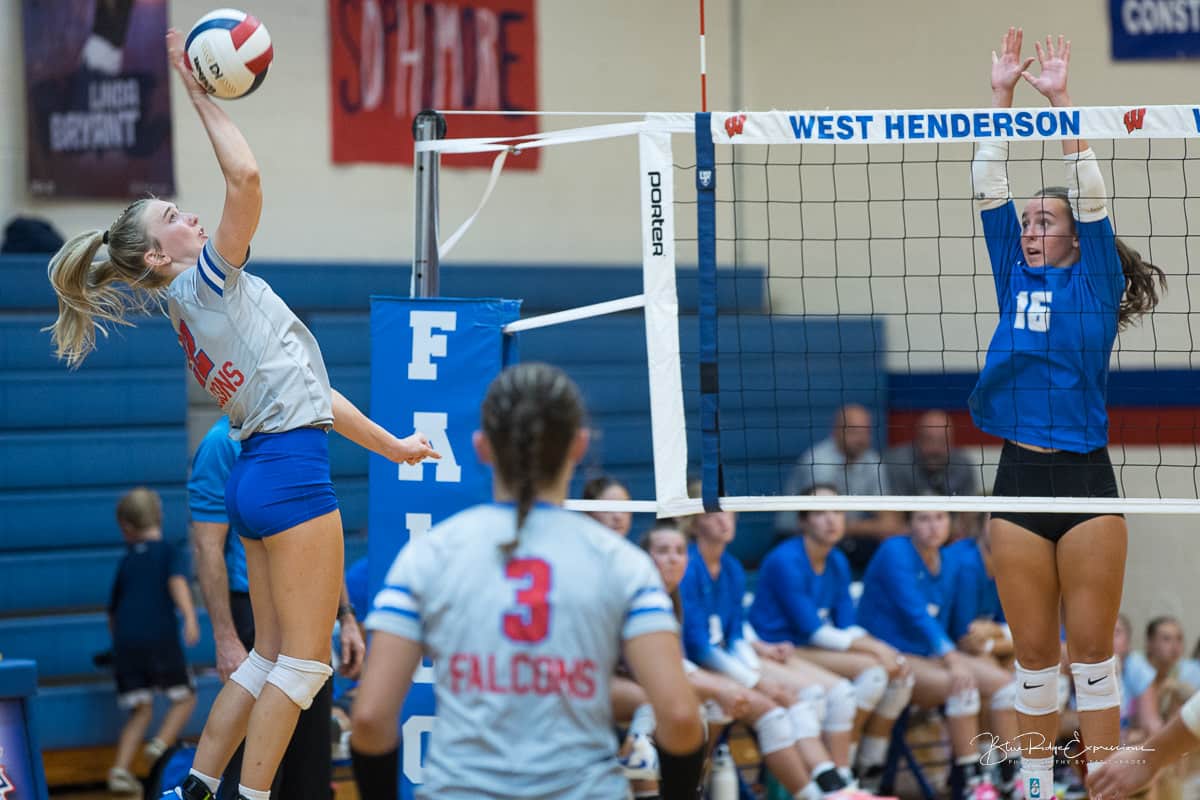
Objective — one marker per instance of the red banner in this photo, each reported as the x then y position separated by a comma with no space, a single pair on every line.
392,59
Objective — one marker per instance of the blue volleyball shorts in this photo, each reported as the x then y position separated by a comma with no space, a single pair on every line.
280,481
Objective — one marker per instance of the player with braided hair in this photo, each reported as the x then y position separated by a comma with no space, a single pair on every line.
524,608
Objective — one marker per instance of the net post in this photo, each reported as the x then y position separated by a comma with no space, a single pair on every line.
426,126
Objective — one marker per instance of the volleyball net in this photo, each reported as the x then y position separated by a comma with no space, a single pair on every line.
840,263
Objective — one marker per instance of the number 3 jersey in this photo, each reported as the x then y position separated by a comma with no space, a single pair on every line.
248,349
1045,381
523,647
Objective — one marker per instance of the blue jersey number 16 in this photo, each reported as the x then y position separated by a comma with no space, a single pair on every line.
1033,311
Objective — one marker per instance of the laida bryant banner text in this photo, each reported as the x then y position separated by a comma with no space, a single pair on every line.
392,59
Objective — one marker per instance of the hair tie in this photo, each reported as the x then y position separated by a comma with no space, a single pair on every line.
104,238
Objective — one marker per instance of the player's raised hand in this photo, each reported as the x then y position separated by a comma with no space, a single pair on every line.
1007,65
178,61
1054,59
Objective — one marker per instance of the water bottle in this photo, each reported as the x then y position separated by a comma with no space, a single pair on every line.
723,780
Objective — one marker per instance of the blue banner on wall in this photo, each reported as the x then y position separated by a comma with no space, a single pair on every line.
1154,29
431,363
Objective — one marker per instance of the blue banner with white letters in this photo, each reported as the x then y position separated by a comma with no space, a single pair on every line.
431,363
1154,29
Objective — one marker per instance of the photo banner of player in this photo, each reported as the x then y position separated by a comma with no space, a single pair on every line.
1151,29
98,105
431,363
392,59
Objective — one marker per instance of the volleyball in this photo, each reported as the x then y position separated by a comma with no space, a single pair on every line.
229,52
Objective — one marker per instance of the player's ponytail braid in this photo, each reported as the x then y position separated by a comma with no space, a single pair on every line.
91,293
1143,280
530,417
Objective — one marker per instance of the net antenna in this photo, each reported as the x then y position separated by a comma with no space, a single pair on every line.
864,220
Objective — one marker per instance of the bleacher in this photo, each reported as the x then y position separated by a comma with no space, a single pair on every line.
72,442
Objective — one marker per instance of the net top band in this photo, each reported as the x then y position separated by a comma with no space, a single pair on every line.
880,127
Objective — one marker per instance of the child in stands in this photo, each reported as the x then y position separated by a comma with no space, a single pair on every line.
150,585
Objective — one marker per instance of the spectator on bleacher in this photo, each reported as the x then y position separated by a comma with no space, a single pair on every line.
907,601
1152,677
931,464
803,598
1189,668
306,771
151,583
711,593
606,487
848,461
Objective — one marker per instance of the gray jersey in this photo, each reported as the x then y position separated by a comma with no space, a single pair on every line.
523,650
248,349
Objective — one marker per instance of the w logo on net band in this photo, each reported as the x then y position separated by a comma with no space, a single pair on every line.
1134,119
735,124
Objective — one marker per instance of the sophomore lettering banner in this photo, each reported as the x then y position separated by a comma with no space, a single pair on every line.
98,115
392,59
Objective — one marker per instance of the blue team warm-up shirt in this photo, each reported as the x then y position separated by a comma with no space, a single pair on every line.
712,609
903,603
975,596
791,601
206,495
141,606
1045,381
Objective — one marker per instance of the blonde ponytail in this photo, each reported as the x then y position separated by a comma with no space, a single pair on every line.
92,293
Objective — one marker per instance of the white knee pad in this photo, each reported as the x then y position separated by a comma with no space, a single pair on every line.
963,704
807,712
841,705
775,731
1096,686
895,697
1189,715
1037,691
1005,697
869,687
299,679
252,673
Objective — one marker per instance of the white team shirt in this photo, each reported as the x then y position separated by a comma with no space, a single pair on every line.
523,651
248,349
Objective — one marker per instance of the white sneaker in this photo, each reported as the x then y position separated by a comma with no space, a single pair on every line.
641,762
122,781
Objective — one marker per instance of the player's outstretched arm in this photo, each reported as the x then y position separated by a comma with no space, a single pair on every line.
1126,771
387,676
360,429
657,663
243,190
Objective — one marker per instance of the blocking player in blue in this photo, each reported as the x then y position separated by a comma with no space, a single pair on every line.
1065,285
254,356
524,609
803,598
714,638
908,596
